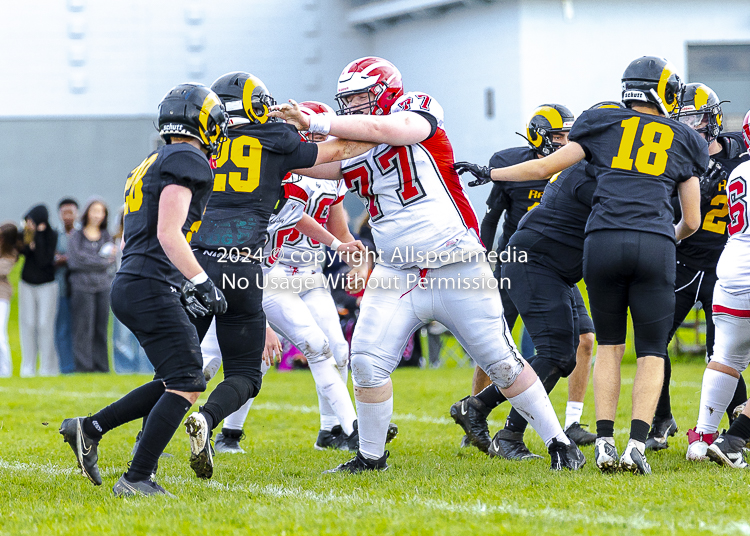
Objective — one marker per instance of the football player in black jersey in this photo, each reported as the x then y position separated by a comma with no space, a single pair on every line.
698,254
228,243
638,156
164,199
546,131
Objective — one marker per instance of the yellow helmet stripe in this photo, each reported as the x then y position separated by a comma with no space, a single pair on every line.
668,71
209,102
701,97
247,99
551,115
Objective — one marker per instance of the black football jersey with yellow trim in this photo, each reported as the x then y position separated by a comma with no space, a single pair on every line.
515,198
180,164
637,159
247,181
702,249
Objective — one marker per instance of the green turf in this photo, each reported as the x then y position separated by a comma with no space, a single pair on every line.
432,487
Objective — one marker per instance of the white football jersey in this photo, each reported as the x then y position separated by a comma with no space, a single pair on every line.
302,251
733,269
282,225
419,212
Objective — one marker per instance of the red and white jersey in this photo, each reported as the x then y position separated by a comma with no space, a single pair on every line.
733,269
282,225
301,251
419,212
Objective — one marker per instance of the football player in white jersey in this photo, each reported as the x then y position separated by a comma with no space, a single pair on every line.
285,314
731,315
429,252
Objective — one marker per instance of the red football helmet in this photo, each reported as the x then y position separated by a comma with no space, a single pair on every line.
313,108
746,130
376,76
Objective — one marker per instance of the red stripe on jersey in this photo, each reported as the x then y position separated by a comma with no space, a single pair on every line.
293,191
739,313
441,151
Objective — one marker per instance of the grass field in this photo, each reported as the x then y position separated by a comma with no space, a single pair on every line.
432,487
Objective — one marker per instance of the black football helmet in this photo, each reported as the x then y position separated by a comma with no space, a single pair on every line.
193,110
700,109
545,121
245,96
652,80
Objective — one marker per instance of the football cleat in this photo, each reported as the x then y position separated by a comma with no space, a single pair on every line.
728,450
470,413
228,442
565,456
634,461
578,435
606,456
333,439
359,464
698,443
465,443
201,458
84,447
661,430
126,488
510,445
211,368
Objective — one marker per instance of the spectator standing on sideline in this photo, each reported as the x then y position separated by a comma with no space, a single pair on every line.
8,258
37,295
129,357
67,210
91,253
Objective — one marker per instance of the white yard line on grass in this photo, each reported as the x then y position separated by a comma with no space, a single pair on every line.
473,508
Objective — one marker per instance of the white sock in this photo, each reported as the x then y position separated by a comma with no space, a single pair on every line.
536,408
373,427
236,420
716,394
328,381
638,444
328,418
573,412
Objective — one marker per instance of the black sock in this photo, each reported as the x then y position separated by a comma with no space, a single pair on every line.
664,405
134,405
228,397
606,429
232,434
515,422
162,423
491,396
639,430
740,428
740,397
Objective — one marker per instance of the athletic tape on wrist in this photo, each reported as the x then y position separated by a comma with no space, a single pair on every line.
200,278
335,244
320,124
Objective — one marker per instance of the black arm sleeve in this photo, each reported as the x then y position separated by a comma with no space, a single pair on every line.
489,227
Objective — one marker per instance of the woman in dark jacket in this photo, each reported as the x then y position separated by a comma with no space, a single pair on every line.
37,295
91,254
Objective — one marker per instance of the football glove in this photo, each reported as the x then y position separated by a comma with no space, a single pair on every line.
482,173
715,173
211,298
189,300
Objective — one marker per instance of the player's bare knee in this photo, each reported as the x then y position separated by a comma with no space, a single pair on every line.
190,397
586,345
374,395
731,365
